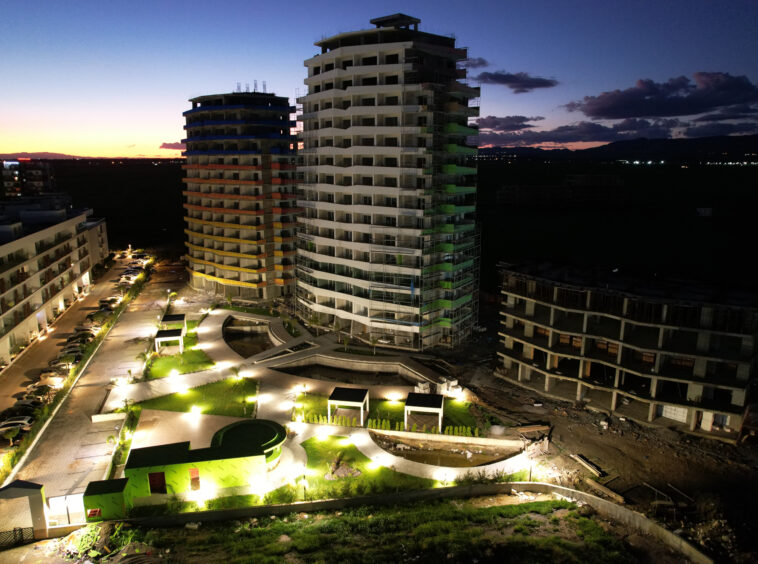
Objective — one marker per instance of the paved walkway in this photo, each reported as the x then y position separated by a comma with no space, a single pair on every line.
278,392
73,450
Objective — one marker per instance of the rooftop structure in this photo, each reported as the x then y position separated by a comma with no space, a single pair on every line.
240,195
387,244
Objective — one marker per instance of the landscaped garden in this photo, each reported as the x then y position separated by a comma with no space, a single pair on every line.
452,531
235,397
192,360
336,468
388,415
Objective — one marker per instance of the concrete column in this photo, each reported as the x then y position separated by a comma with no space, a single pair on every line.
738,397
614,398
528,330
548,383
616,378
653,386
585,321
555,294
661,336
549,362
623,330
625,306
657,363
552,316
439,418
664,313
551,338
651,412
581,368
529,308
583,348
519,374
703,341
405,417
694,392
588,302
579,391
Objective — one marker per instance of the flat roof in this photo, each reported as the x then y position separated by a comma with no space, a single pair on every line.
356,395
100,487
173,318
242,442
424,400
169,333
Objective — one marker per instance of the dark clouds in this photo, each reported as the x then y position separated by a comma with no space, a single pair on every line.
507,123
519,82
714,129
173,146
732,112
583,131
707,92
474,63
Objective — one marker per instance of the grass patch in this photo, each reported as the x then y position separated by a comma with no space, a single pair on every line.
227,397
445,531
184,363
322,453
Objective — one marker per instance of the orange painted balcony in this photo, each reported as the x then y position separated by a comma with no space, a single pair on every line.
278,239
220,167
224,210
222,196
282,225
284,267
285,181
283,196
284,253
283,166
220,181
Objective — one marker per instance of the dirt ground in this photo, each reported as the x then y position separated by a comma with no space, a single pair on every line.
704,489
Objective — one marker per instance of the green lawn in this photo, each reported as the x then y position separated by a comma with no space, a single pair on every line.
226,397
188,361
323,451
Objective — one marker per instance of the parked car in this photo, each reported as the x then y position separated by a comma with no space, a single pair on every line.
21,422
32,403
80,338
84,331
37,392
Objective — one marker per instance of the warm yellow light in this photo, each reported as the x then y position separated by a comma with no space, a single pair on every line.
196,410
394,397
322,435
251,399
286,405
174,373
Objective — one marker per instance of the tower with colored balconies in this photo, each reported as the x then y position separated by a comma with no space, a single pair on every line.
240,197
387,245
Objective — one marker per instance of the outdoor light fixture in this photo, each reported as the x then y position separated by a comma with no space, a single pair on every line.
394,397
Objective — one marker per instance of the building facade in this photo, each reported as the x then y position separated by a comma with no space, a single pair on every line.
26,177
387,245
621,347
240,197
45,263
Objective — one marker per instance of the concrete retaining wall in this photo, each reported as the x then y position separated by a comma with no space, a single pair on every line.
482,441
100,417
360,365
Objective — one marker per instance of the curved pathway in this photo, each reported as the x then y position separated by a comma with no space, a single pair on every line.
279,390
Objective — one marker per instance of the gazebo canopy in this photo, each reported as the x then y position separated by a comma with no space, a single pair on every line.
424,403
348,397
167,335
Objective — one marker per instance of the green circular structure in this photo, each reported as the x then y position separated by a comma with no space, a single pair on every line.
260,435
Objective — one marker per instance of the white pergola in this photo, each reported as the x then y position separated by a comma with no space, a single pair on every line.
424,403
173,318
347,397
168,335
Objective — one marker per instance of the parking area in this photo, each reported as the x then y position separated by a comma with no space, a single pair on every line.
73,449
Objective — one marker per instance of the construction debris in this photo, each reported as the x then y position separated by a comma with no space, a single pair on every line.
594,468
605,490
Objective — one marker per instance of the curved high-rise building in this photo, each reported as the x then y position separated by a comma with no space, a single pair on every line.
387,246
240,197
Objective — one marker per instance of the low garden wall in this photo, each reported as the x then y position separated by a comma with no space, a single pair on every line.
481,441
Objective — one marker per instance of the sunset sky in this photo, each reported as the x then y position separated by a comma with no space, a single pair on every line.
112,78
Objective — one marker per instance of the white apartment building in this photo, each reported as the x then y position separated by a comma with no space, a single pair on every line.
387,247
45,260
